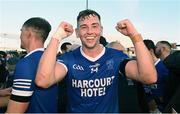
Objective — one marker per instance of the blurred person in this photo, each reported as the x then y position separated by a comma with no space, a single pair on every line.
156,93
3,74
163,49
171,60
103,41
26,96
65,47
132,99
91,71
116,45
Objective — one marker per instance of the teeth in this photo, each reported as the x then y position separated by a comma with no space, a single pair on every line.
90,37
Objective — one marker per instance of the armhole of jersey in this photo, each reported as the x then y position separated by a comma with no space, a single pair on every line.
123,66
20,98
63,65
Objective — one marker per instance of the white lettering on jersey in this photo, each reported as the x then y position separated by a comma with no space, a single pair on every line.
78,67
90,88
94,68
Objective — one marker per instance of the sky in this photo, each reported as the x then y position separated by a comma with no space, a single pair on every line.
154,19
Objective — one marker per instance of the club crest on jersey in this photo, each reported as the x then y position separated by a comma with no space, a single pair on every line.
78,67
94,68
110,64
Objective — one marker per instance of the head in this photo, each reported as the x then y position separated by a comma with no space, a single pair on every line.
163,49
34,27
150,45
103,41
65,47
116,45
89,28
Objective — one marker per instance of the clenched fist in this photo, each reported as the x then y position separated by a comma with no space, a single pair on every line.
64,30
126,27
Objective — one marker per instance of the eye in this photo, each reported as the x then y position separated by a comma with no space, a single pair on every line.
83,27
94,26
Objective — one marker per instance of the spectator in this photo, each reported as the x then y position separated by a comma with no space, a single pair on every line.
171,60
156,94
116,45
132,99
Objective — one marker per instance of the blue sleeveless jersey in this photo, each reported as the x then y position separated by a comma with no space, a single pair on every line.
24,87
92,85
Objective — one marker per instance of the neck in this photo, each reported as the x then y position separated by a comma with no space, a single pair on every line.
94,52
164,55
34,46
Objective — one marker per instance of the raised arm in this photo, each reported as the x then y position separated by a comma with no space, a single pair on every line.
49,71
143,68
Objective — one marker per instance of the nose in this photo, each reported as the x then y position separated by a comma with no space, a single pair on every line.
89,30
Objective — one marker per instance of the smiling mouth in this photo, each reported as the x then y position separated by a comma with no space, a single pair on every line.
90,37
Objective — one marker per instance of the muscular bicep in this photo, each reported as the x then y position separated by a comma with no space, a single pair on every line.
60,71
131,69
17,107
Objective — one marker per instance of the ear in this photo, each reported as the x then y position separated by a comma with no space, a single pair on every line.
151,51
28,33
77,32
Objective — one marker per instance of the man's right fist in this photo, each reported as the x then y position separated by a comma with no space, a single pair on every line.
64,30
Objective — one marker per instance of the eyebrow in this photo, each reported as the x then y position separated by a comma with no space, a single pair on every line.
91,24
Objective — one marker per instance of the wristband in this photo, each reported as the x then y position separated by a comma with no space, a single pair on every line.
137,38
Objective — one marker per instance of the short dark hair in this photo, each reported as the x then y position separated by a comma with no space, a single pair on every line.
85,13
64,46
103,41
41,26
166,43
149,44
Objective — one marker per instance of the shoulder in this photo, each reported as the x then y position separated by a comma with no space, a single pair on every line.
173,58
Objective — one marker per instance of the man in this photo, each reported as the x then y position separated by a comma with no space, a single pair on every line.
156,93
171,60
92,70
116,45
26,96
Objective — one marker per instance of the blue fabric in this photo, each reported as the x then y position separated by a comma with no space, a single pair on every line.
92,86
42,100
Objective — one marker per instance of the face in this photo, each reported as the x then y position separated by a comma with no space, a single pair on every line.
158,51
23,37
89,31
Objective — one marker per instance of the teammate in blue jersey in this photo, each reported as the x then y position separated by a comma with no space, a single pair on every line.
26,96
91,71
157,94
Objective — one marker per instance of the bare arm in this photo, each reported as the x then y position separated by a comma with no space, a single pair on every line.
49,71
5,92
4,101
4,96
16,107
143,68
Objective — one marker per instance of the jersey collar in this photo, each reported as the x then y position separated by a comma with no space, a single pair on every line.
38,49
91,58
